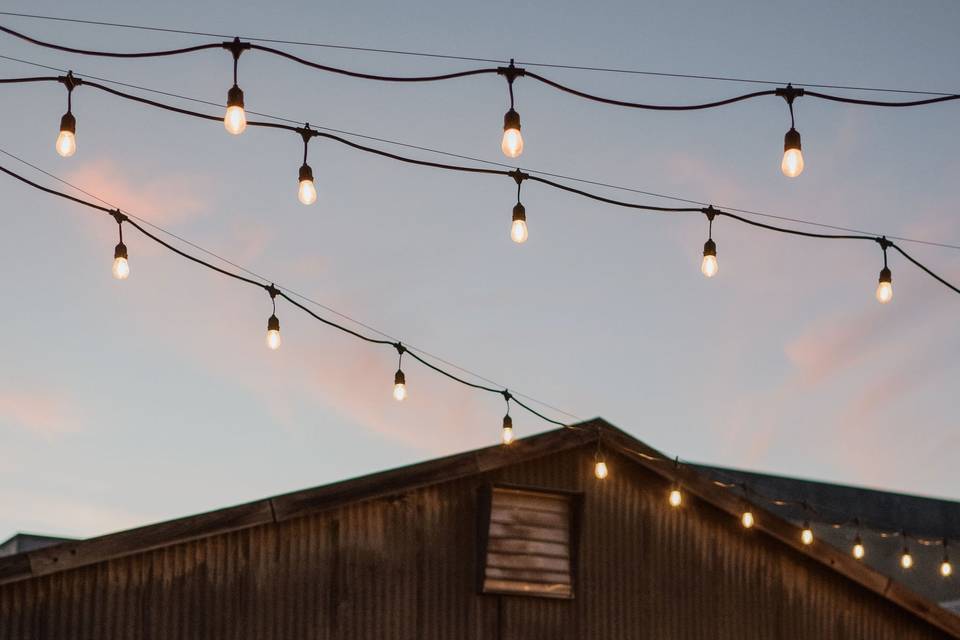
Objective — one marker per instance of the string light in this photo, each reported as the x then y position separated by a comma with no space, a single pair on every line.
121,266
709,266
512,142
676,497
599,464
806,535
906,560
518,228
747,519
307,191
946,569
273,323
792,163
885,282
67,138
858,549
507,433
400,380
235,118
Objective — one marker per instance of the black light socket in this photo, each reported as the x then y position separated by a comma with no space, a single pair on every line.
507,422
235,97
273,323
519,213
791,140
886,275
306,173
399,378
68,123
710,248
511,120
120,252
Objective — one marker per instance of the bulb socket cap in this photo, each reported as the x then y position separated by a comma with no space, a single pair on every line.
273,323
710,248
507,422
519,213
120,252
791,140
399,378
306,173
886,275
511,120
68,123
235,97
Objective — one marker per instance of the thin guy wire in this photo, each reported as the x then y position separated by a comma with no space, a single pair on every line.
528,63
490,162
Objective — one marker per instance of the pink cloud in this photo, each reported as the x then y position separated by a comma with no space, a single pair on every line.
40,412
165,199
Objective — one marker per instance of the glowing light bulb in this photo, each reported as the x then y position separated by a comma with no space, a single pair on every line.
676,498
273,332
858,550
121,267
600,470
235,119
747,520
399,386
512,143
885,286
946,569
518,230
507,433
67,140
792,164
709,266
806,536
308,190
906,560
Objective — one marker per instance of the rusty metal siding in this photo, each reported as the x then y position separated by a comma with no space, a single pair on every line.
405,568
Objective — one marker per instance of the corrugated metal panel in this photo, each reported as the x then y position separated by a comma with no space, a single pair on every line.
406,568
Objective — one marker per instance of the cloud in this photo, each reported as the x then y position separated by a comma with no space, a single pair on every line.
42,412
164,199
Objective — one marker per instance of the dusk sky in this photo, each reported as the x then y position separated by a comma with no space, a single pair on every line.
124,403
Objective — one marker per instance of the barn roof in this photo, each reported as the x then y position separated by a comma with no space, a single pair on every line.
73,554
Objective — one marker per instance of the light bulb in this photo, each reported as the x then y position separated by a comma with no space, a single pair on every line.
518,230
507,433
67,140
858,550
399,386
806,536
792,164
885,286
709,266
308,190
235,119
121,267
946,569
906,560
676,498
600,470
747,519
512,143
273,332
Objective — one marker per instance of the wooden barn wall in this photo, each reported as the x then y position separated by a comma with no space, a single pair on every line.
405,569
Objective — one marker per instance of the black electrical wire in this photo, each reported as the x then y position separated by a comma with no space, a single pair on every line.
423,54
116,213
236,46
460,168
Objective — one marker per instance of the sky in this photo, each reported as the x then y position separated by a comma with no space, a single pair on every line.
125,403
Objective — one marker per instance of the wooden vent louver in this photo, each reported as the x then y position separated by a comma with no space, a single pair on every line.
528,544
